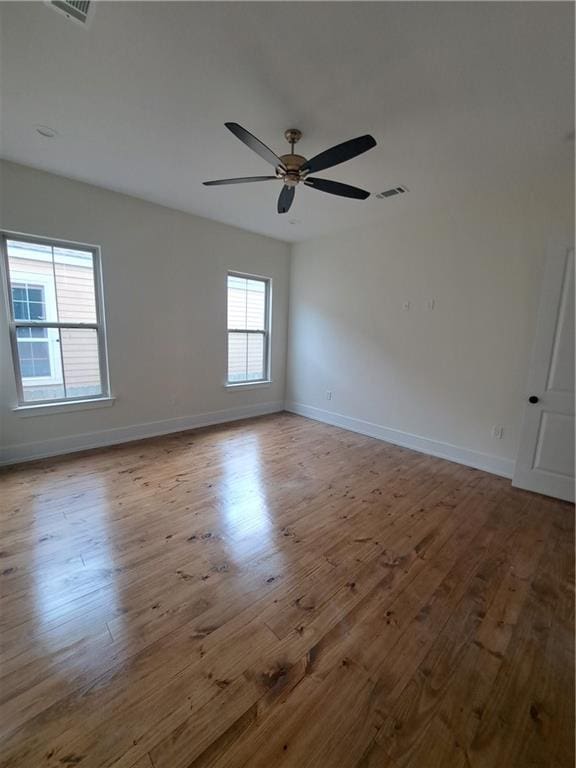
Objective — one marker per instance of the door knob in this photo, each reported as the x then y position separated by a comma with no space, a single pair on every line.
533,399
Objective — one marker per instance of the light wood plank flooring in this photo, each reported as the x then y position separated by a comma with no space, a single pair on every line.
278,592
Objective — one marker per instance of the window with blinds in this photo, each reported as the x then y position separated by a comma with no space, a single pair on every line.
248,328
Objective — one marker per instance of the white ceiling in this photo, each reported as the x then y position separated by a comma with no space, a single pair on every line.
452,92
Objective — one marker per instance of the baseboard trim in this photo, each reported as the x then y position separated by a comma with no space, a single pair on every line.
496,465
15,454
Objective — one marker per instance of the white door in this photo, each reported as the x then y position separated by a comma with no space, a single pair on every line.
545,460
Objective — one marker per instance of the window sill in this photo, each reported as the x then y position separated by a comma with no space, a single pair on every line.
248,385
44,409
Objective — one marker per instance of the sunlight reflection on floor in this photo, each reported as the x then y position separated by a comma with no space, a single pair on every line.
72,596
247,523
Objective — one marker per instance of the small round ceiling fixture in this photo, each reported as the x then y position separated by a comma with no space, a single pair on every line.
46,131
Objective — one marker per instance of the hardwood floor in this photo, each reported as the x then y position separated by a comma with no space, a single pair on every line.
278,592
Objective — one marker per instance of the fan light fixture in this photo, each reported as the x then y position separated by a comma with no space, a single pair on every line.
292,169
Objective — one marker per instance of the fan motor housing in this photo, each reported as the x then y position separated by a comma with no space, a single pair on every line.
292,162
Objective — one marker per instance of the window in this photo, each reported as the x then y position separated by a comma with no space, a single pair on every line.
248,328
56,320
33,348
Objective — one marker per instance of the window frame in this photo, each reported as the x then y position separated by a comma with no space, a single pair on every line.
99,326
265,333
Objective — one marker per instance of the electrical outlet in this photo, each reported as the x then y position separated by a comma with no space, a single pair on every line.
406,306
328,395
498,432
430,304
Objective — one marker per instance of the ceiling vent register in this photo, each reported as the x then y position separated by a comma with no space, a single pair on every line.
75,10
392,192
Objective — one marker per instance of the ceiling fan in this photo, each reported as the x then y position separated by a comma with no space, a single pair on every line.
292,169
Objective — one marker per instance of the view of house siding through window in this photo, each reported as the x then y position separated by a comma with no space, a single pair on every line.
247,329
54,285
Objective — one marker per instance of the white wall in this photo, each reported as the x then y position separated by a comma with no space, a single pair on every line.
164,285
447,374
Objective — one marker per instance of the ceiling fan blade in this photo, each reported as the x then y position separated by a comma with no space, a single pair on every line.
255,144
336,188
244,180
339,154
285,199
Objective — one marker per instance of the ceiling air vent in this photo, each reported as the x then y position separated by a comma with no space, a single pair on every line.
392,192
76,10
